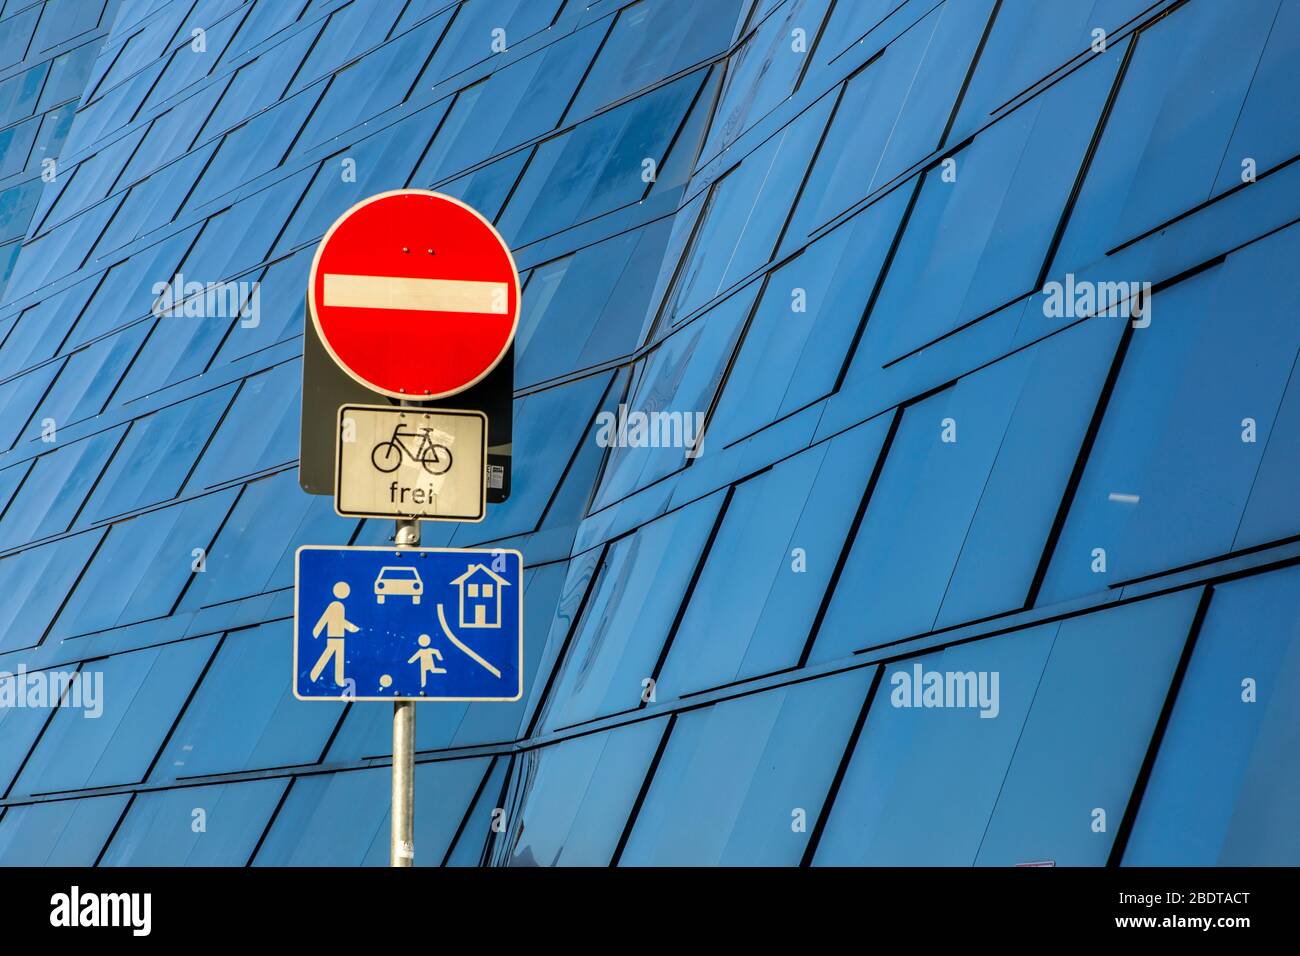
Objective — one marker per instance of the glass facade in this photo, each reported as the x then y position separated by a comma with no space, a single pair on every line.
969,330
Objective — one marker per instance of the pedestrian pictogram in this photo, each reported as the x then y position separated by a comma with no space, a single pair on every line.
408,624
335,623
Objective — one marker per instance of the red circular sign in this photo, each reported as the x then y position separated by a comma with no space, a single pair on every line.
414,294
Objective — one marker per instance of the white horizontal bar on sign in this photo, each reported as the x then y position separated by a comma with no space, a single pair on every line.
419,295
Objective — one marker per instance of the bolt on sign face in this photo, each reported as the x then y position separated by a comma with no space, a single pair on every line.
414,294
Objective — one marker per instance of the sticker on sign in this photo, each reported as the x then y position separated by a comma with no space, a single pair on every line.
396,462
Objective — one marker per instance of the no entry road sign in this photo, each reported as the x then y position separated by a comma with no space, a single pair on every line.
408,624
402,462
414,294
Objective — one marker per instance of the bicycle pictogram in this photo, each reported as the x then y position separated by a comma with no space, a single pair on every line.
435,458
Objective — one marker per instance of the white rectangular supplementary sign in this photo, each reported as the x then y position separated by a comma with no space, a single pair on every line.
417,295
403,462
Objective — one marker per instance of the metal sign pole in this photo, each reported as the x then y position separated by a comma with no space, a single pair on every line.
403,811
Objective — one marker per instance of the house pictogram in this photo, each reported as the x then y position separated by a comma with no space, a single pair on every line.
480,596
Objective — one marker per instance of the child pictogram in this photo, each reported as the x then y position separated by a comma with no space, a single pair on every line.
425,655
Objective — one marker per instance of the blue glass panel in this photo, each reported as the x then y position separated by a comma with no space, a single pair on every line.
544,423
16,205
751,612
188,65
488,187
16,36
240,237
59,833
260,430
19,728
745,213
974,244
54,130
57,490
36,581
267,18
373,84
472,39
1170,475
471,845
254,551
105,115
140,693
577,582
375,164
19,398
68,72
352,29
65,19
279,314
1236,713
678,379
42,327
739,783
637,592
856,25
341,819
568,804
19,93
156,455
142,566
1270,511
154,202
1268,131
765,70
980,465
16,146
127,291
197,826
794,348
587,306
86,183
10,478
889,810
1164,140
492,116
651,40
1087,733
254,148
892,113
1005,538
244,716
596,167
258,84
1029,40
87,380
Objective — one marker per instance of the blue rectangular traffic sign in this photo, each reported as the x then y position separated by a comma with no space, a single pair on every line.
408,624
